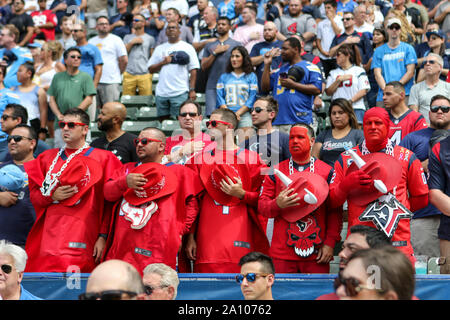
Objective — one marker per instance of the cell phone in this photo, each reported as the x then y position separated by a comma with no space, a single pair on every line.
153,6
283,75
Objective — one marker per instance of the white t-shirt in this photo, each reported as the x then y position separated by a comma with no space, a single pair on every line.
173,78
181,5
326,33
111,48
349,88
364,28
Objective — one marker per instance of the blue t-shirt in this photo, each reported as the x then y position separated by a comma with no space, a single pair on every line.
393,64
348,7
226,10
90,57
419,143
295,106
16,221
26,295
364,45
236,91
23,55
260,49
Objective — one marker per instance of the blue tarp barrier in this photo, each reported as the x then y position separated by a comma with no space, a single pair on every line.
194,286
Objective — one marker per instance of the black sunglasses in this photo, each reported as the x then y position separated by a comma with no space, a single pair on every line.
394,27
16,138
259,109
352,286
6,268
444,109
6,117
251,277
191,114
106,295
347,19
429,61
145,141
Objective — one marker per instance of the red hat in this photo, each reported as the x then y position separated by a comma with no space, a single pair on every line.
82,172
211,176
161,182
379,166
315,184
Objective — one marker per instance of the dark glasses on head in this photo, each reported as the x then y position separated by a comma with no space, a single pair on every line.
394,27
16,138
214,123
259,109
191,114
106,295
352,286
5,117
145,141
71,125
251,277
444,109
6,268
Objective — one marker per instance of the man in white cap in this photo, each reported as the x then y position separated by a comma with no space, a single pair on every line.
394,61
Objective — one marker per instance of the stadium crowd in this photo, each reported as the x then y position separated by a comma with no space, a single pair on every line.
305,129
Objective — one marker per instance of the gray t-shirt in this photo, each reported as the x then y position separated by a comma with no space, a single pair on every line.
421,95
304,23
139,54
332,148
220,63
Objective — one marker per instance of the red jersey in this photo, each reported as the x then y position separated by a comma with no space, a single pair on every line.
326,223
412,184
409,122
224,234
64,236
43,17
159,240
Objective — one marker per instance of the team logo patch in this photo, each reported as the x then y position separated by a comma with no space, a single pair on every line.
137,215
303,235
385,214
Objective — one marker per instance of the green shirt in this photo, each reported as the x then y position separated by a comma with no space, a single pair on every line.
69,91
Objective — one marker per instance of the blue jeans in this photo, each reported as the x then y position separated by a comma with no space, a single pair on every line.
170,105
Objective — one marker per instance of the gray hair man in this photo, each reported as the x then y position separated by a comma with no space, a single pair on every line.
160,281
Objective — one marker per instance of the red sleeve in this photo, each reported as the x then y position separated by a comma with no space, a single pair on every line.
421,123
337,196
192,209
267,204
116,185
251,196
417,182
334,226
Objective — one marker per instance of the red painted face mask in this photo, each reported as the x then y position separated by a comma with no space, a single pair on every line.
375,133
299,144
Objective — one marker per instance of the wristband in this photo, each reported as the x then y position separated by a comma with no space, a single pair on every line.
214,54
43,130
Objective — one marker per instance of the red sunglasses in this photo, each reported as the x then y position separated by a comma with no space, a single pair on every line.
71,125
214,123
145,141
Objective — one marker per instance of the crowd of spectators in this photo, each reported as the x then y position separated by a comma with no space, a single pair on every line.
288,86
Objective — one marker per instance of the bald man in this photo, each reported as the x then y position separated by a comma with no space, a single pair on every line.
114,280
116,140
270,43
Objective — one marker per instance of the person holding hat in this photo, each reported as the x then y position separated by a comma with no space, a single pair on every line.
305,231
66,189
17,214
394,170
394,61
155,204
227,226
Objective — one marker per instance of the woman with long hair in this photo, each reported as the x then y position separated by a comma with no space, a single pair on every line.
349,80
344,132
379,38
236,89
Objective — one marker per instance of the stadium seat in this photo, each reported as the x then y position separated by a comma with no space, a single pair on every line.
95,132
168,126
137,101
132,113
147,113
137,126
201,98
334,265
434,265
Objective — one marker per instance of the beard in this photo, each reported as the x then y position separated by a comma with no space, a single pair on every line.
441,125
105,125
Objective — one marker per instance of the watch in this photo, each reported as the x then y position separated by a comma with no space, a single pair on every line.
214,54
43,130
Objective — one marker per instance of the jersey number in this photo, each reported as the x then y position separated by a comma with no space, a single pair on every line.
236,94
396,137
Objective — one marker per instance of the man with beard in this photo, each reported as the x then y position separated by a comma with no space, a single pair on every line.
215,59
426,221
398,168
116,140
270,44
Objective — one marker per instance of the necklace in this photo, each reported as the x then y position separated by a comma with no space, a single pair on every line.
291,166
389,148
51,179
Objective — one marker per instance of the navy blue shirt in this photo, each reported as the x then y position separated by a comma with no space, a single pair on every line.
272,148
16,221
365,47
260,49
419,143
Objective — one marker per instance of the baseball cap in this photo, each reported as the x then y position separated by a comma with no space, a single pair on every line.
438,33
393,21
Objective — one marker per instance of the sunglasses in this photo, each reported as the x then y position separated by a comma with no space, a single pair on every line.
106,295
352,286
214,123
77,30
137,20
6,117
430,62
71,125
145,141
16,138
259,109
347,19
75,57
394,27
6,268
444,109
191,114
251,277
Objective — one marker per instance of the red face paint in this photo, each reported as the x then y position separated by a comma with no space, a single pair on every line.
299,144
375,133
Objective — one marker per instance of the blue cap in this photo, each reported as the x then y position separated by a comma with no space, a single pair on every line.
11,178
34,45
438,33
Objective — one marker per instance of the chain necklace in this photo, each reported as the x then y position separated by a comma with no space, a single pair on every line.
291,165
389,148
51,179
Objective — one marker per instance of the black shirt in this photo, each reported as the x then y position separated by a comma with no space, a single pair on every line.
21,22
123,147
